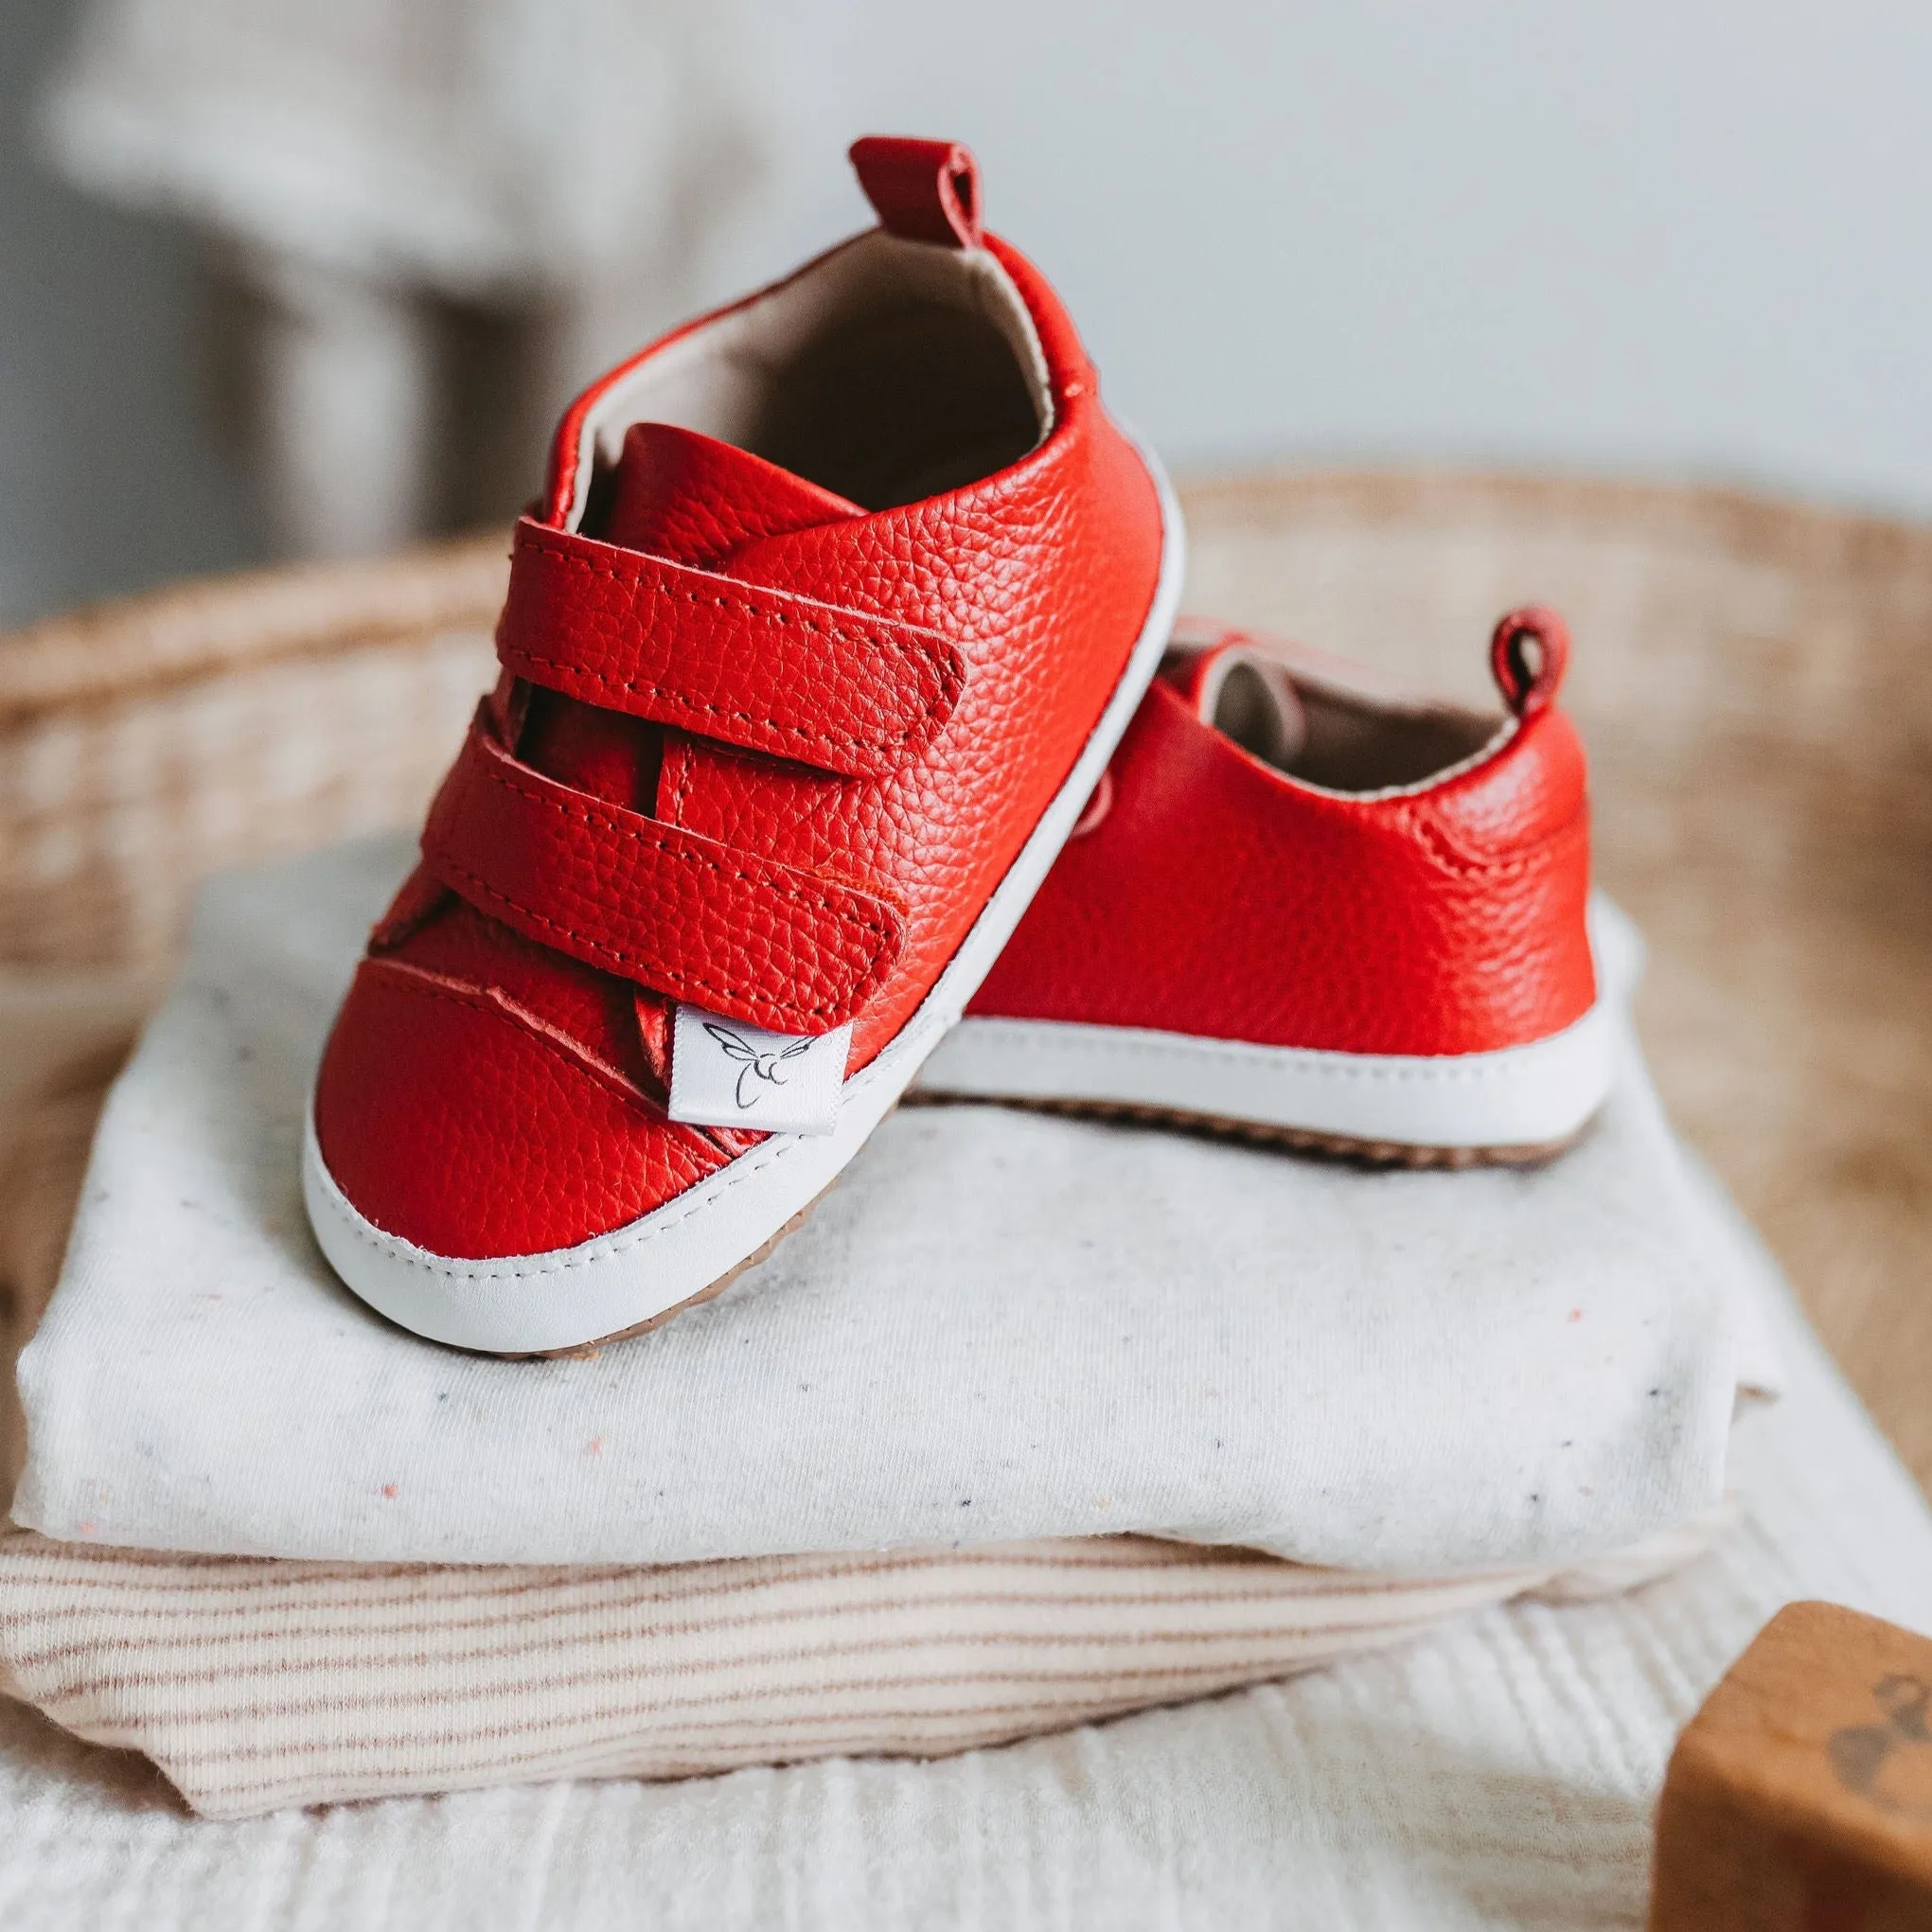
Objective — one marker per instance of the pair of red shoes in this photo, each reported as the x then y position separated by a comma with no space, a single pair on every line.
845,630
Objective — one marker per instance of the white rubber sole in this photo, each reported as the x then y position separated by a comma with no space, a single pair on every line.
1514,1101
570,1296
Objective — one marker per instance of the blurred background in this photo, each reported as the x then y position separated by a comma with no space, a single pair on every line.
288,277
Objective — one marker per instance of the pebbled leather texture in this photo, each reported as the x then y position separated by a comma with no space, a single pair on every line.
1043,615
652,902
458,1077
495,1084
766,671
1219,897
685,495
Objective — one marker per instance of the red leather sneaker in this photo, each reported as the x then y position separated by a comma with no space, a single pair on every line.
1309,908
834,610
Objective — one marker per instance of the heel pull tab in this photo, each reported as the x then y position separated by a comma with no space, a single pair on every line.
924,191
1528,655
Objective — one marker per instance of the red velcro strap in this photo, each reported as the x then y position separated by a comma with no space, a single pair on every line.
765,669
717,928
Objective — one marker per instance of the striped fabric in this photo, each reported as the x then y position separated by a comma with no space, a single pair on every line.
255,1685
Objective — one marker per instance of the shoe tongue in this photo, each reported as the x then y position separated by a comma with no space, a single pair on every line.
1248,697
696,500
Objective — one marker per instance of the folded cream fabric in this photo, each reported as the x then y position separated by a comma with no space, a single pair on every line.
255,1684
999,1326
1499,1771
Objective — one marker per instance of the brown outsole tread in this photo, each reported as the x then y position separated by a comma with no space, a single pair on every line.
1340,1148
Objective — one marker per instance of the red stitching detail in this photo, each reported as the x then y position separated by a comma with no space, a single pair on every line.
719,989
867,741
1509,866
590,817
750,608
948,678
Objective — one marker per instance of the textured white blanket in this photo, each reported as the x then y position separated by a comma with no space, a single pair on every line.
1501,1774
998,1327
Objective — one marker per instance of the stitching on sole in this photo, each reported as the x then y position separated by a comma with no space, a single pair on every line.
1445,1069
1347,1148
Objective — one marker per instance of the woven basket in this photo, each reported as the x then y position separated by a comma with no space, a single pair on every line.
1752,679
146,743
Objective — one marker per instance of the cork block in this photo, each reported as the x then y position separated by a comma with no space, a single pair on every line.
1799,1798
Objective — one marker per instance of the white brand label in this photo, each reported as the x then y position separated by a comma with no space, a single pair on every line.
727,1074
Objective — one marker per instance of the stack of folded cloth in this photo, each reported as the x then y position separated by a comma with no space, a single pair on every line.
1035,1420
1039,1416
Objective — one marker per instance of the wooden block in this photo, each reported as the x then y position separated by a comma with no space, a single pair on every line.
1799,1798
